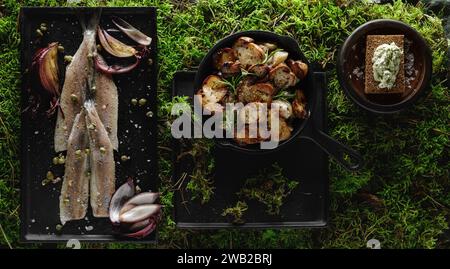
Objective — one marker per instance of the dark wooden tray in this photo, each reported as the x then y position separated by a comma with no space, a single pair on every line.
137,133
306,206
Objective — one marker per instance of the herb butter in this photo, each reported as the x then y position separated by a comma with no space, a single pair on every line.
386,64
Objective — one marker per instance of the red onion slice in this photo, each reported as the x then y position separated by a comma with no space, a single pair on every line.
114,46
123,193
144,232
143,198
103,67
132,32
139,213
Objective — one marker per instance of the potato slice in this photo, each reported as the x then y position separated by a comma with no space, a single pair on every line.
213,90
299,68
299,105
225,55
230,69
259,70
259,92
248,52
284,108
282,77
284,129
278,58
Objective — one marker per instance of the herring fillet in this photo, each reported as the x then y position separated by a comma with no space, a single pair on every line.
74,85
73,201
102,179
107,105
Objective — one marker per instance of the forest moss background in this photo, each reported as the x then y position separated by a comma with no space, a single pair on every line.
401,197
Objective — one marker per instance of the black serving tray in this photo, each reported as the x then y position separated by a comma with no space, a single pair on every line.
137,133
306,206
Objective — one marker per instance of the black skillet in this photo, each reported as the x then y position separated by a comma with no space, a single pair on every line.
344,155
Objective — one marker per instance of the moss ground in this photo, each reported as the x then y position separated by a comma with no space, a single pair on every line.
401,197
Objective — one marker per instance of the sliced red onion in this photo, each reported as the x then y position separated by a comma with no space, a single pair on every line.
123,193
145,231
139,225
139,213
143,198
103,67
132,32
126,207
114,46
46,60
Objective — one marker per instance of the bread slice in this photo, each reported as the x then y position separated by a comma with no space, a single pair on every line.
371,86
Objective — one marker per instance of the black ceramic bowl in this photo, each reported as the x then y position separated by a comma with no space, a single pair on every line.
351,65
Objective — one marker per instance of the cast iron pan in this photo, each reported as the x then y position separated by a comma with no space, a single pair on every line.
332,147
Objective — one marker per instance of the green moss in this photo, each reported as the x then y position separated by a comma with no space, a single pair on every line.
406,155
269,187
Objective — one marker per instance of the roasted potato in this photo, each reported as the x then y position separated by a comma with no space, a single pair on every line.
259,70
284,108
278,58
259,92
299,105
242,137
251,113
225,55
230,69
282,77
213,90
268,47
299,68
284,130
248,53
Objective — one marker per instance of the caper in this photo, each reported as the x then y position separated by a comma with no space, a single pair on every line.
43,28
142,101
61,159
58,227
74,98
150,61
87,151
149,114
99,47
55,160
60,48
50,175
78,152
124,158
134,101
68,58
102,149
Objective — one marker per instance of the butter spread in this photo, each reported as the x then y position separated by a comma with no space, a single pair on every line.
386,63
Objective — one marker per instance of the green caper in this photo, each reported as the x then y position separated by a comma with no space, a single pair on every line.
61,159
134,101
142,101
102,149
74,98
87,151
43,28
124,158
68,58
149,114
58,227
55,160
61,48
50,175
78,152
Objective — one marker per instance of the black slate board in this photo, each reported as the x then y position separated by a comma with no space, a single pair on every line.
306,206
136,132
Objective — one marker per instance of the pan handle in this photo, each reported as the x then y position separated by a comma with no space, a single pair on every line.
345,156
